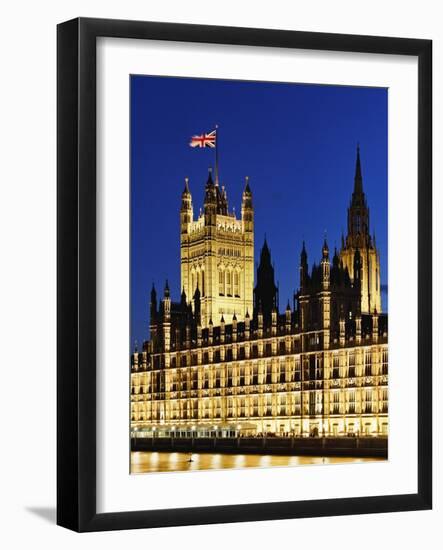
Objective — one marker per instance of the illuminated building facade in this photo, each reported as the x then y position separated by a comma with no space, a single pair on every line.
225,362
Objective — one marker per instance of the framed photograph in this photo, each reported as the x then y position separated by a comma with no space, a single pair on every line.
244,274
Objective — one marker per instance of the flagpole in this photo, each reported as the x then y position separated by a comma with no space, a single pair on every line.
216,154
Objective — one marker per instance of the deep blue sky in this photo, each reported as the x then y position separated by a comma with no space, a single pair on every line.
296,142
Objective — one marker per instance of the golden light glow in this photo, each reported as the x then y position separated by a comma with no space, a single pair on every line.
319,371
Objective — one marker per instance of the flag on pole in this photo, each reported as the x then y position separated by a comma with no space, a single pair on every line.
204,140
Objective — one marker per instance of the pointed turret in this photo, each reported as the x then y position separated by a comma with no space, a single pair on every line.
153,303
186,210
304,276
167,292
183,299
210,204
186,191
265,254
335,258
325,250
166,317
222,200
358,180
154,316
197,305
265,292
234,328
247,209
303,255
325,266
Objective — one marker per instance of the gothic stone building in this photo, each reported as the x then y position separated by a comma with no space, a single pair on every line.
225,361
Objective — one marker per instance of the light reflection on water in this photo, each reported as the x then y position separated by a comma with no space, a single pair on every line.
146,462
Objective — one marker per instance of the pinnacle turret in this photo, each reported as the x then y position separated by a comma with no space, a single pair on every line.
325,250
358,180
167,292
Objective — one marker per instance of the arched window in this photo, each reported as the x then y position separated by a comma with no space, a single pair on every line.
221,282
229,282
236,284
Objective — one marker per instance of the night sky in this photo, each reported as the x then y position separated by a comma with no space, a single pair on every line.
296,142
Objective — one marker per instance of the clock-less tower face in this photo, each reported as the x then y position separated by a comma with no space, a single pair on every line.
217,254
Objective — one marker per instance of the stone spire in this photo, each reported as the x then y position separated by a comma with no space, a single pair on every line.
266,291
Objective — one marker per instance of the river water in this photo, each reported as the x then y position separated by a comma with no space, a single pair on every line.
147,462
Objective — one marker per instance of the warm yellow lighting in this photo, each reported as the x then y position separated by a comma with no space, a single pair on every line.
285,376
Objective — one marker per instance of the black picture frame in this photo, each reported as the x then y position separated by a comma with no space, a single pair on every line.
76,281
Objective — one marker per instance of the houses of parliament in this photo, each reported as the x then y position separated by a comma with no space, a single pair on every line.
224,361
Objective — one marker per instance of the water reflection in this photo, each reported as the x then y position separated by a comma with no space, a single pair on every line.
146,462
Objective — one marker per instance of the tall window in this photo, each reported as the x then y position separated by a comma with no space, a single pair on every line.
336,367
242,376
255,406
351,365
268,405
368,401
384,401
203,283
368,363
229,283
385,362
269,373
351,396
336,403
221,282
236,284
283,405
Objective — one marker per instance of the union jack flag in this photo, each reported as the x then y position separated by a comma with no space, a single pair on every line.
204,140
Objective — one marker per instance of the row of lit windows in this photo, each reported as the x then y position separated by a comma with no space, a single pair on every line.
235,253
253,407
269,347
267,372
341,397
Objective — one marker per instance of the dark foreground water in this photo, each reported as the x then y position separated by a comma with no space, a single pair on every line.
145,462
